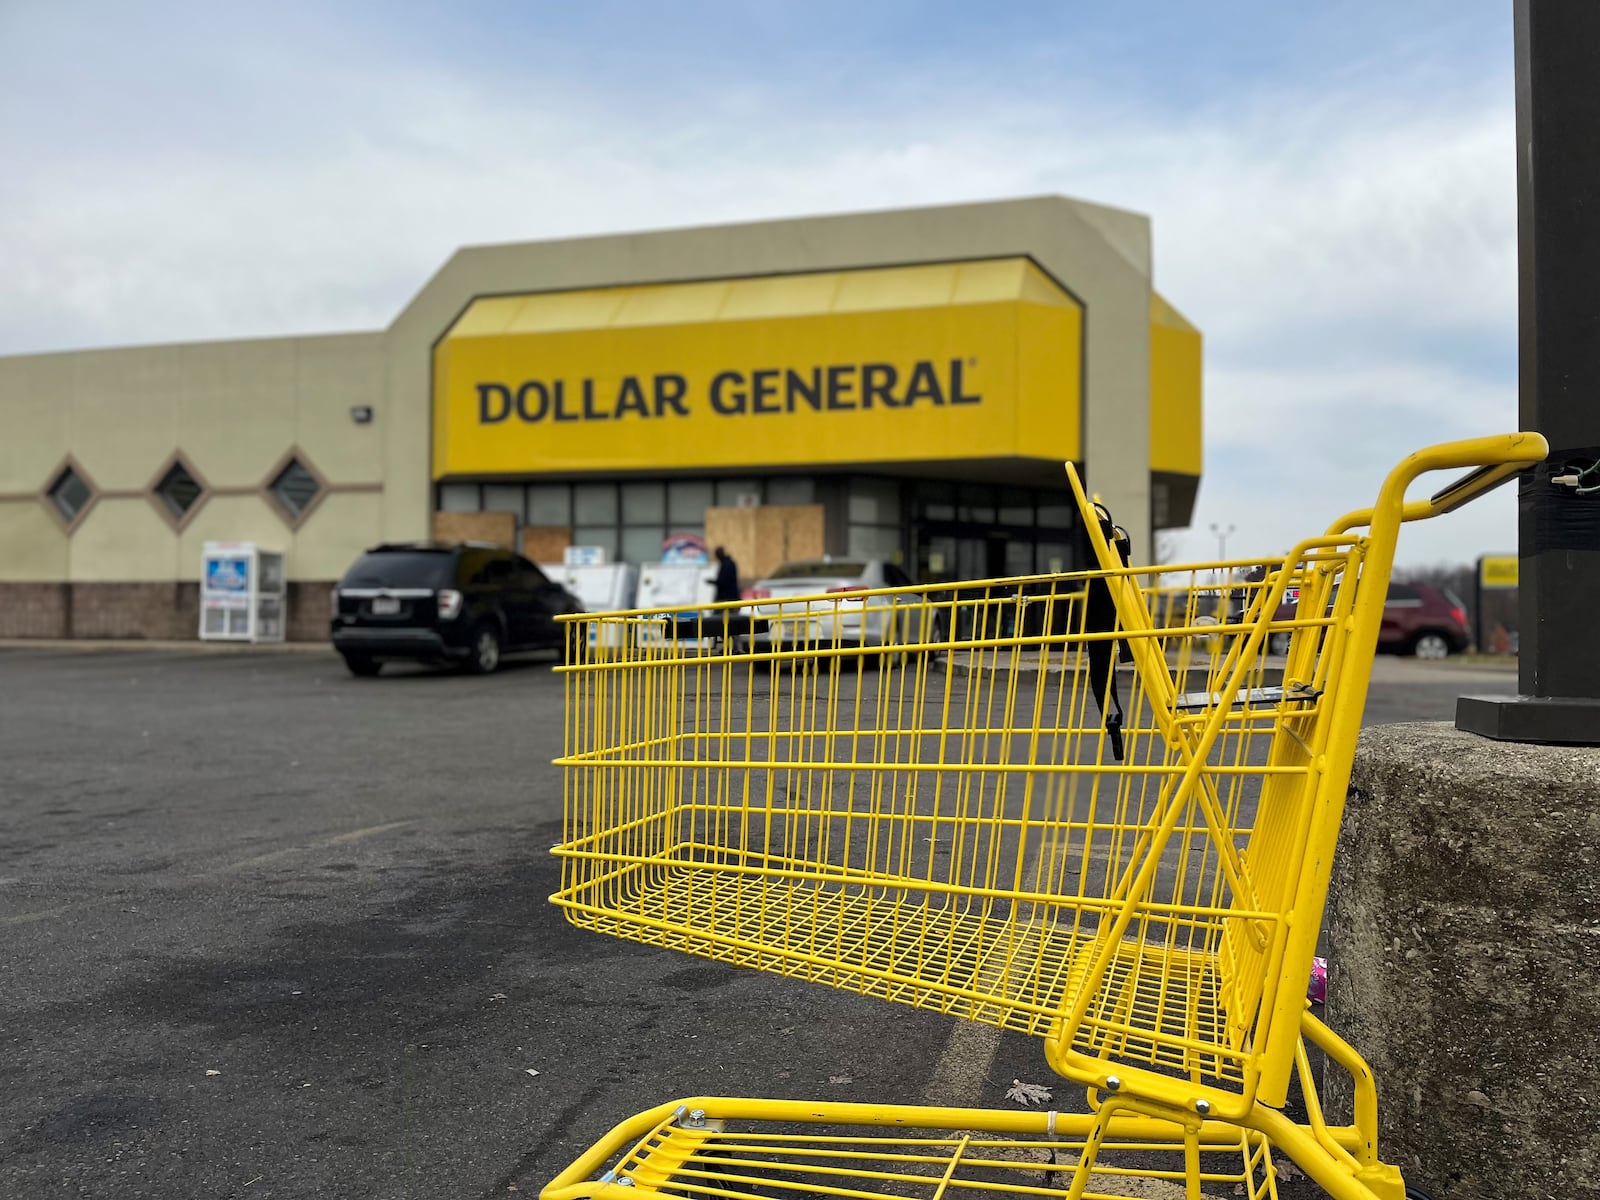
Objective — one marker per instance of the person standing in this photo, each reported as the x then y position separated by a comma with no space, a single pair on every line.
726,585
726,581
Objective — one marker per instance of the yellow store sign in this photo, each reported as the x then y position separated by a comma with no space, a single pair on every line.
1498,570
952,361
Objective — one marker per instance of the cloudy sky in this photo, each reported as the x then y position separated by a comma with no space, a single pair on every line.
1331,184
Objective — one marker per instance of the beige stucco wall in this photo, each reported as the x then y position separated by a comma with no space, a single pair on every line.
38,425
234,410
124,541
1101,254
350,522
33,546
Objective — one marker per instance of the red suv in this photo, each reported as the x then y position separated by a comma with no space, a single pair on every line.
1418,618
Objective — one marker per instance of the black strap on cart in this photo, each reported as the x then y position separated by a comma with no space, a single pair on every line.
1100,616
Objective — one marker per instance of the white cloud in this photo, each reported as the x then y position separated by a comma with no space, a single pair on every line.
1292,450
1350,258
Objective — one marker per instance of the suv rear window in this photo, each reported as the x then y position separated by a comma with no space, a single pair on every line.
402,568
820,570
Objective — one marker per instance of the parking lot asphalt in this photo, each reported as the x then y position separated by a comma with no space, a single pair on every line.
271,931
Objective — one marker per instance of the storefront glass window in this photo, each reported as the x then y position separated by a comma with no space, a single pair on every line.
977,504
642,545
594,504
1055,557
937,501
643,504
1016,507
1019,558
502,497
875,502
549,504
604,536
874,541
730,490
791,490
687,501
1057,512
458,497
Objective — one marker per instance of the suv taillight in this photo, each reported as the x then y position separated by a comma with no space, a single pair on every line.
757,594
449,604
1460,614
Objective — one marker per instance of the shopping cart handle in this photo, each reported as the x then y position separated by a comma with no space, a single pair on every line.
1492,460
1471,485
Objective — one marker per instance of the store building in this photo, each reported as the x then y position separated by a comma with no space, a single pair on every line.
901,384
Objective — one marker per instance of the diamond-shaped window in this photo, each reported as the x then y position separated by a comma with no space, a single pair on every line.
70,493
295,487
178,490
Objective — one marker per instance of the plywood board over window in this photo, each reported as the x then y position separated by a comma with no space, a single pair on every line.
761,539
498,528
546,543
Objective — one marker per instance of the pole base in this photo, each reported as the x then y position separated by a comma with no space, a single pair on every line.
1549,720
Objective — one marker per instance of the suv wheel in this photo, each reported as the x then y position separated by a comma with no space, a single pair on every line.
485,656
1430,644
361,665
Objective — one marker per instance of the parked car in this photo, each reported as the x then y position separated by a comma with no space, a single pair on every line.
1418,618
1207,605
468,604
837,615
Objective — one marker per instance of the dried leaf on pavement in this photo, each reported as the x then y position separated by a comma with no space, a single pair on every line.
1028,1093
1287,1169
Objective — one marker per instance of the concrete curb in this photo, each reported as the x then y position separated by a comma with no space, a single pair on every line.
118,645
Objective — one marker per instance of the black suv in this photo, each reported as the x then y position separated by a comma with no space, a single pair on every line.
426,602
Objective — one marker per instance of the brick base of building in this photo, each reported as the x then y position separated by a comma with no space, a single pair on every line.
310,610
35,610
137,611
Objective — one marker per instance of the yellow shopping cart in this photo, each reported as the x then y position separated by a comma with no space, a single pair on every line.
1085,807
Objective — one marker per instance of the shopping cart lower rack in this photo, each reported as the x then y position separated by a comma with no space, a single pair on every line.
1082,807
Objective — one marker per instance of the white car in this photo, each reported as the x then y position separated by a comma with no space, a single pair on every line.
832,614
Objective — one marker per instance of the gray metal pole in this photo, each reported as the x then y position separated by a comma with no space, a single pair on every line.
1558,294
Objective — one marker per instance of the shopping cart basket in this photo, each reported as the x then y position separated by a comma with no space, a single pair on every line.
956,798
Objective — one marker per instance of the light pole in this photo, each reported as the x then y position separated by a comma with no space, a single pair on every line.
1222,536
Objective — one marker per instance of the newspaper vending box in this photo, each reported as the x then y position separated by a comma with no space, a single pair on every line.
242,593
